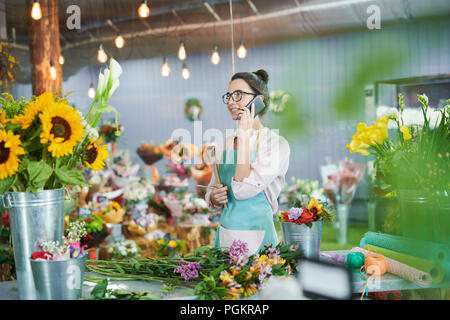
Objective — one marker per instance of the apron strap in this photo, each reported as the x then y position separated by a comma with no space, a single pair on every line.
256,145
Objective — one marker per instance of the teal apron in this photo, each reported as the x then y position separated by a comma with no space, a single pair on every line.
249,220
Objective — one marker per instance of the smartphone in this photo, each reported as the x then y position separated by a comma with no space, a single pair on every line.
259,105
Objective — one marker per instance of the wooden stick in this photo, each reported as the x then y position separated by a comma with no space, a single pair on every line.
216,167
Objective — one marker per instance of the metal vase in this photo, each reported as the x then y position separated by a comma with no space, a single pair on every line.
444,217
308,239
59,280
33,218
418,214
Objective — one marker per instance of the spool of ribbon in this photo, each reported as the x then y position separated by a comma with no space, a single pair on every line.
355,260
374,265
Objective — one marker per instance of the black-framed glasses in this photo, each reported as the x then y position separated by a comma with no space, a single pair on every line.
235,95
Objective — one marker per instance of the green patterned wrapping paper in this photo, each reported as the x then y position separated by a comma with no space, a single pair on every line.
433,268
427,250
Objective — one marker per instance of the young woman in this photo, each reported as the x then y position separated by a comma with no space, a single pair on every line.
253,164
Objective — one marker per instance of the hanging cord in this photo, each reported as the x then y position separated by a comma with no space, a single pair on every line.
232,37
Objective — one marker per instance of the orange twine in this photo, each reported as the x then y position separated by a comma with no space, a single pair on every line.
375,265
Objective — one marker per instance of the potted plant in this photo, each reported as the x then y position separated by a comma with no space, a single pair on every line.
58,269
42,142
415,165
302,225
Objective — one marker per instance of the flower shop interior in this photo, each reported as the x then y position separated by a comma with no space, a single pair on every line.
111,112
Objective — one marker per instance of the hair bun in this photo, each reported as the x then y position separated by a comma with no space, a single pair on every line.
263,75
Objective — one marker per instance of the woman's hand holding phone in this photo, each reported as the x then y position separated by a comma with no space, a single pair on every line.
219,196
246,120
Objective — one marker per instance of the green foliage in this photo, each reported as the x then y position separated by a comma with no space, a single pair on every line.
101,292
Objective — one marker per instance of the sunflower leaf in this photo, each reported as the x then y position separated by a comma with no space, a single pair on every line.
39,172
69,177
6,184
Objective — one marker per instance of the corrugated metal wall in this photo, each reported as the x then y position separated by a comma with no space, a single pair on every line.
314,70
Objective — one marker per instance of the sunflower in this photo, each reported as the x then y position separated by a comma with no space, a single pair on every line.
61,127
2,118
9,150
314,207
114,206
33,109
95,154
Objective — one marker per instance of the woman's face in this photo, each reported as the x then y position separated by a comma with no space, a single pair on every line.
235,106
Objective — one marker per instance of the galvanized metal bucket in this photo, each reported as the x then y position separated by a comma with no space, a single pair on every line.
308,239
59,280
33,218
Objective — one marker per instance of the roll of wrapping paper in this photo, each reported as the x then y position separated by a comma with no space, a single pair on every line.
402,270
215,166
426,250
433,268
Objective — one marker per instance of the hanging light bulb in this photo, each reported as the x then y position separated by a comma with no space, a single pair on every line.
101,55
119,41
36,12
182,51
144,10
61,60
242,51
185,73
91,91
215,58
165,69
52,70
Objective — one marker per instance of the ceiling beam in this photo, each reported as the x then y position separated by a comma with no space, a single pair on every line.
112,25
178,17
212,11
253,7
192,26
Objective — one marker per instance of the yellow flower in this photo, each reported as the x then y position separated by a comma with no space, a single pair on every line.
33,109
314,207
95,155
234,293
160,241
368,136
62,128
263,258
250,290
114,206
406,133
3,118
277,260
10,149
358,146
172,243
226,277
234,271
248,276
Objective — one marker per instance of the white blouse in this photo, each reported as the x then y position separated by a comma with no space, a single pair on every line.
267,171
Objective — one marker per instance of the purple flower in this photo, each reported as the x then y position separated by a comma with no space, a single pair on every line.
295,213
273,253
265,272
188,271
238,249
